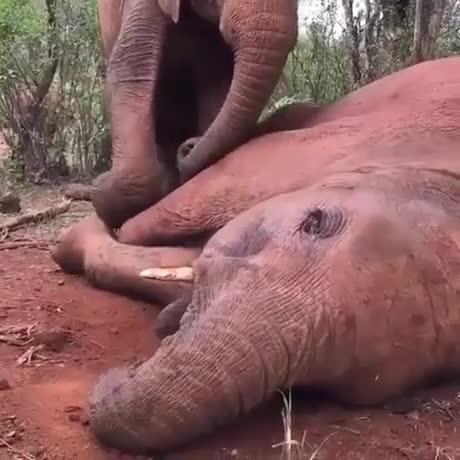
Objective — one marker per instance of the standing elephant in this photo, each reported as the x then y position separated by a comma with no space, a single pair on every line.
179,70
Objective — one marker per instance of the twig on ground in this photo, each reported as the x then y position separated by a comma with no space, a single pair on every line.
21,328
24,244
13,450
17,336
3,235
98,344
26,357
36,216
316,452
443,407
345,428
9,340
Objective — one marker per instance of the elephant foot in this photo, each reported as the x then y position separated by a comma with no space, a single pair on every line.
118,196
89,248
74,242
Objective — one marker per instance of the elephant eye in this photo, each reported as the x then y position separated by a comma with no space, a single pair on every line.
323,223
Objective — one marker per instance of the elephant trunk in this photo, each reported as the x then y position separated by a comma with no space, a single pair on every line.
211,370
135,180
259,59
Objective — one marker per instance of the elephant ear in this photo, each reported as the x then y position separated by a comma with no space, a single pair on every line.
170,8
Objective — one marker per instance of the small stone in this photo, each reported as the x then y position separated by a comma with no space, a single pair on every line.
10,203
4,381
38,451
13,434
74,417
72,409
60,282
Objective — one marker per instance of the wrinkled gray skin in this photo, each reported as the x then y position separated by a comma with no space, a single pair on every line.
336,265
180,69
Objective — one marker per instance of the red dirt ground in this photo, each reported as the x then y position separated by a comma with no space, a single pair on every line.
41,415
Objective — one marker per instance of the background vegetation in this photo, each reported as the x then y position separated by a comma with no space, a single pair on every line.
52,70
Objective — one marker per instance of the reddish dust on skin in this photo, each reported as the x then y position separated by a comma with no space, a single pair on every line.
43,412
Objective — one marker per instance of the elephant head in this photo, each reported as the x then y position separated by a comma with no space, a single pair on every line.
273,307
259,33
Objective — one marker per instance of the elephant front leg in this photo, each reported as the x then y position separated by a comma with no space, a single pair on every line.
90,248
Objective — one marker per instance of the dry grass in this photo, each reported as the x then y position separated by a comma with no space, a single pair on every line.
292,448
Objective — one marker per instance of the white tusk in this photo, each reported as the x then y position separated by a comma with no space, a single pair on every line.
169,274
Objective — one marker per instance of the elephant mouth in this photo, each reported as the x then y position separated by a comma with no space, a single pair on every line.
183,274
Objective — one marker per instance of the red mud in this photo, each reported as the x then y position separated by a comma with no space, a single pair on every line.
42,414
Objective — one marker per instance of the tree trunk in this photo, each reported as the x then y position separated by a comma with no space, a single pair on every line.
353,36
427,26
370,38
417,56
32,114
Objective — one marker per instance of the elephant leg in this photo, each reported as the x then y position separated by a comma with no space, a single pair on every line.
89,248
136,178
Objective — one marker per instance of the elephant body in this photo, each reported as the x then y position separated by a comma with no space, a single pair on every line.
180,70
323,256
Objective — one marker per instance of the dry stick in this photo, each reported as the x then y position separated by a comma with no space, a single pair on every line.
16,451
11,341
27,356
24,244
36,216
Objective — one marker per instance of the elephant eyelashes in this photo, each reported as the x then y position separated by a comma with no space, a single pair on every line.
323,223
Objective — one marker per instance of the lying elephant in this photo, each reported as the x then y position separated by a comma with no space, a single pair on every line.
178,70
332,261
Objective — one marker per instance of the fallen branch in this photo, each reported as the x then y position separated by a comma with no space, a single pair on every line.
3,235
22,329
36,216
11,341
27,356
24,244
